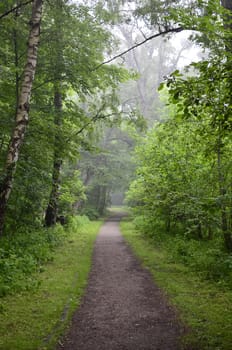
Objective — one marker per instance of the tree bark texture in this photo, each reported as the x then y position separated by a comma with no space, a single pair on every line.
52,208
22,114
227,4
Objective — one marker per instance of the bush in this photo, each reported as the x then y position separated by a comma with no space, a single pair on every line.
24,254
205,257
90,212
148,226
76,222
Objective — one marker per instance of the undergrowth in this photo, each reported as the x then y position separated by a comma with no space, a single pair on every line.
205,257
24,255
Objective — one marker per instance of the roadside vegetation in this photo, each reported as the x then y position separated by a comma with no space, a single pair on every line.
192,280
181,196
50,280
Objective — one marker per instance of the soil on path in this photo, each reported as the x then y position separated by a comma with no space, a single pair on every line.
122,308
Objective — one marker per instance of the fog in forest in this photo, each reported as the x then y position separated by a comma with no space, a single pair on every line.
151,63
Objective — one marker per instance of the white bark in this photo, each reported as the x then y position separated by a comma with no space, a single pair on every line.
22,114
27,81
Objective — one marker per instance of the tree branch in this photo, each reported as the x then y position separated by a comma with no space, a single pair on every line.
92,120
15,8
97,117
173,30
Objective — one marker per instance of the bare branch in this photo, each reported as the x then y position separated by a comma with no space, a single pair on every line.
173,30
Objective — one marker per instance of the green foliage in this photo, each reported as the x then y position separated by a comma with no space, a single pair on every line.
205,258
72,188
90,212
184,164
73,42
169,169
24,256
76,223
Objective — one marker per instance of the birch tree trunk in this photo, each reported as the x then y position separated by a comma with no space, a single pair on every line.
22,114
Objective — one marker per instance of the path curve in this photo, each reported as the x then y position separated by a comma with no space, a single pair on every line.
122,308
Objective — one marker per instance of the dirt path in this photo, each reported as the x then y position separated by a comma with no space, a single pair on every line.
122,308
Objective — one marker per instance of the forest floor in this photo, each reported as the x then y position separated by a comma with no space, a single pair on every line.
122,309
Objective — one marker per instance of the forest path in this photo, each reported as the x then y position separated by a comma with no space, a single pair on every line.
122,308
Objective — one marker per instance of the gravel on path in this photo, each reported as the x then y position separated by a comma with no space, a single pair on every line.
122,309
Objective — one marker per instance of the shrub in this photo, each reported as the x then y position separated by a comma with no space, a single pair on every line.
207,258
90,212
24,254
76,222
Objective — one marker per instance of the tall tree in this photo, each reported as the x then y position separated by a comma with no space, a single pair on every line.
52,208
22,115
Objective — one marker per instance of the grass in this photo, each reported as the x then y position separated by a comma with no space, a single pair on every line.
205,307
35,319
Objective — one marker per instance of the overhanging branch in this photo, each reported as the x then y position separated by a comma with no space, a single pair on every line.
97,117
173,30
15,8
89,122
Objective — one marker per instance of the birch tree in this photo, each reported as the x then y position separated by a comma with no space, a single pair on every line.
22,114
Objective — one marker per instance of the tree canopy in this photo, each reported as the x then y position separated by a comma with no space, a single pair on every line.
184,179
66,147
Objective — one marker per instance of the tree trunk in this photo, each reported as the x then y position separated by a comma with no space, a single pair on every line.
16,57
222,191
102,201
52,208
227,4
22,114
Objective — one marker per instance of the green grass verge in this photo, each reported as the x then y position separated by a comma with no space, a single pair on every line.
35,319
203,306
